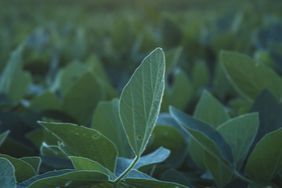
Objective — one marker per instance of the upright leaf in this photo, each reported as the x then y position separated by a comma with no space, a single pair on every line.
265,160
106,120
82,97
84,142
210,110
249,77
14,81
240,133
141,98
7,174
207,137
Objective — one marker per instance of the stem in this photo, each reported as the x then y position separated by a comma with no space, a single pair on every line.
126,171
242,177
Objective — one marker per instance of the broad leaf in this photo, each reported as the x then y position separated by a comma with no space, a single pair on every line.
249,77
81,141
82,97
221,172
210,110
179,92
141,98
266,159
207,137
73,179
35,162
81,163
23,170
107,121
240,133
7,174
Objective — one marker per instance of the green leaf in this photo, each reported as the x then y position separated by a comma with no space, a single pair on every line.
266,159
240,133
106,120
179,93
80,178
210,110
200,75
7,174
46,101
82,163
249,77
14,81
141,98
141,183
172,58
81,141
35,162
23,170
68,76
82,97
270,111
155,157
221,172
206,136
170,137
3,137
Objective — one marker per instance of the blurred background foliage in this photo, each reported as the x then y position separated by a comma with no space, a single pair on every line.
59,59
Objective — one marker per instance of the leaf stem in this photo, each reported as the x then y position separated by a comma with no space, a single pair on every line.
126,171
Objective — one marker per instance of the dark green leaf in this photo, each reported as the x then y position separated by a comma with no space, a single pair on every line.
249,77
107,121
208,138
23,170
266,159
35,162
270,111
210,110
81,141
80,178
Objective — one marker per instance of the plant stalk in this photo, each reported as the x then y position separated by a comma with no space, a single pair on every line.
126,171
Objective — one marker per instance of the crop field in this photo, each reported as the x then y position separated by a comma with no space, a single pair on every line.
141,94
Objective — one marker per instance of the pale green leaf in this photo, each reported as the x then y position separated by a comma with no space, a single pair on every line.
7,174
141,98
